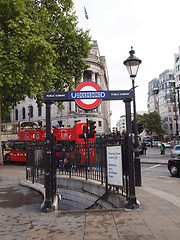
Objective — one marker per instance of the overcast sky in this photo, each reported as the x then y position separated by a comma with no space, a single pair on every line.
151,27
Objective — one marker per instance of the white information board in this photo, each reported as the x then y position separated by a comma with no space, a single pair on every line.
114,165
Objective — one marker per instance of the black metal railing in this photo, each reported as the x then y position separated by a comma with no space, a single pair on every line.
92,167
35,161
95,168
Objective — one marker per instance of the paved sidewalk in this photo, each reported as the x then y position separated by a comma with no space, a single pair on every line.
157,218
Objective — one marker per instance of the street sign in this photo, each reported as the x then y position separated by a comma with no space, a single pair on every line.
114,165
89,96
55,96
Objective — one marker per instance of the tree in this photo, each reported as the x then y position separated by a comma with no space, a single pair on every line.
152,123
140,127
41,49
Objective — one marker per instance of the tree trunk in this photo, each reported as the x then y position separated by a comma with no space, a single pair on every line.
1,156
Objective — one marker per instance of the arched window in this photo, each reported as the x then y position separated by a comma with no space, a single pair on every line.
16,112
30,108
23,113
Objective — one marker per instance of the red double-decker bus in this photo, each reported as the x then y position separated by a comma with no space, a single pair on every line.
28,131
69,137
14,151
66,137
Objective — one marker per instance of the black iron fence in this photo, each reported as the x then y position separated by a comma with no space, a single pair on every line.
93,165
35,162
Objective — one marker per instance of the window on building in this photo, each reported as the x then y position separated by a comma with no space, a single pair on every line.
174,109
16,113
87,75
96,77
60,123
40,123
30,108
99,124
39,111
23,113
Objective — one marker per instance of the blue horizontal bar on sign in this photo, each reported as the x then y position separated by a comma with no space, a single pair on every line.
120,95
72,96
88,95
55,96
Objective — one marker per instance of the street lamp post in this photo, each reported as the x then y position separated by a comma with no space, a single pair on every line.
132,63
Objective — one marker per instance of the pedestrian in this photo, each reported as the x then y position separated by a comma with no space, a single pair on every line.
62,156
77,157
162,149
144,148
66,162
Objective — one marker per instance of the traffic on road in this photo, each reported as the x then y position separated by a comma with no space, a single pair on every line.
171,165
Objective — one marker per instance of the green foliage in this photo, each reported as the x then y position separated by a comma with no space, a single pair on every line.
41,48
152,123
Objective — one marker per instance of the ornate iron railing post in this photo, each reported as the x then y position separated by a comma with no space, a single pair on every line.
48,173
131,201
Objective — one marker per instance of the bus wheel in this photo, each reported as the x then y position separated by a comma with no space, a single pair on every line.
7,158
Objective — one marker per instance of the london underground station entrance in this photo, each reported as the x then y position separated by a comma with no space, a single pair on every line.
88,96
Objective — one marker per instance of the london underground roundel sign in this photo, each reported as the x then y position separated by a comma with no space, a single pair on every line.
91,89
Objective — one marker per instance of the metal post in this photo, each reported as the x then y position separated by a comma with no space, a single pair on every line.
48,192
33,167
101,159
131,202
85,135
126,168
136,149
87,123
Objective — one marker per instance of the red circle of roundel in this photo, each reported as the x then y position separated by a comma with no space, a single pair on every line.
88,86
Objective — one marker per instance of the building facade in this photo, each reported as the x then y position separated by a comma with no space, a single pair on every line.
121,124
177,68
28,110
177,77
162,99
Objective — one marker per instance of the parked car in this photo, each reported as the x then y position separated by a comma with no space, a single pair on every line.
167,145
175,152
158,144
174,166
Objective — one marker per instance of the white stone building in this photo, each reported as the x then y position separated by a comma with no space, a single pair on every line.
121,124
162,99
28,110
177,77
177,68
